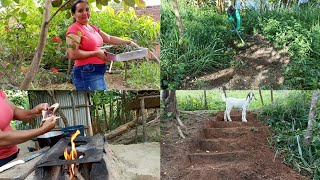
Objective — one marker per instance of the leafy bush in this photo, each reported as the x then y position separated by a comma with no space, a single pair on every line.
296,29
288,118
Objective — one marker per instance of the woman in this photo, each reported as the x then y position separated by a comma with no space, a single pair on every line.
86,40
9,137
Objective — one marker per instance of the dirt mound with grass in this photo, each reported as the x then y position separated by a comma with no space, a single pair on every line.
215,149
257,64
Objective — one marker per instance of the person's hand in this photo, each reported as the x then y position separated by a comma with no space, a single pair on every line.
101,55
49,123
37,111
133,44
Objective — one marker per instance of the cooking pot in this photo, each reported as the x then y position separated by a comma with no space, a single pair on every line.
49,138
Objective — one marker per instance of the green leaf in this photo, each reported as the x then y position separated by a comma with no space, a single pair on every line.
130,3
17,1
99,6
169,114
56,3
40,9
68,15
104,2
5,3
23,15
116,1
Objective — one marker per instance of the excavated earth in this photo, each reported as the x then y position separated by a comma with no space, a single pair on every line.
219,150
259,64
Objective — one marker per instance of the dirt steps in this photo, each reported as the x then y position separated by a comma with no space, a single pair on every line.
221,149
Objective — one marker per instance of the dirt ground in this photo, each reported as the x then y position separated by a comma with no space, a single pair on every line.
258,65
220,150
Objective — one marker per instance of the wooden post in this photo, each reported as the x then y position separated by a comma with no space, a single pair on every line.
73,109
90,131
137,124
105,117
143,119
125,70
261,96
205,100
271,95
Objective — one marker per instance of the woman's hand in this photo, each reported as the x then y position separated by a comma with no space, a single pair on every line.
37,111
101,55
49,123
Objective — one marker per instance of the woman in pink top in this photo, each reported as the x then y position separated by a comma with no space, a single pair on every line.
9,137
86,40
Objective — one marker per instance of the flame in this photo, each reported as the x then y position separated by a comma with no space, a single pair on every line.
72,155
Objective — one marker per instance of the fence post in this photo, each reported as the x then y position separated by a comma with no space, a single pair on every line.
261,96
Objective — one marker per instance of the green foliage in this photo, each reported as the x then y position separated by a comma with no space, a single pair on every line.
126,24
145,74
21,25
202,48
297,30
288,117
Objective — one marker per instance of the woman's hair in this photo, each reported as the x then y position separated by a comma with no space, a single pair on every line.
73,7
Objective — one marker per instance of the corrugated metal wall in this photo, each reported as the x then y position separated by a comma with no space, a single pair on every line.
73,104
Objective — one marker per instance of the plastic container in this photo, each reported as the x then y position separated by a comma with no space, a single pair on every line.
68,131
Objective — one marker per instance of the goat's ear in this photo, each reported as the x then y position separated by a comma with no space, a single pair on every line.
248,96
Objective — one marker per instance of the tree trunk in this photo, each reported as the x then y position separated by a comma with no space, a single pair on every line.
261,96
170,107
177,15
205,100
272,96
312,115
40,48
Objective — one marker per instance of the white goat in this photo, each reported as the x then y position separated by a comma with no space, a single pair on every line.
242,103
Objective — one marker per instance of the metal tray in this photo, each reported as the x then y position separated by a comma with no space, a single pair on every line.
137,54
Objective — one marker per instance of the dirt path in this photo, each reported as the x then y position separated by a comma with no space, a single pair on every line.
258,64
222,150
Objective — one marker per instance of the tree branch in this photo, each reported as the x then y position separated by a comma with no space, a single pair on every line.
55,13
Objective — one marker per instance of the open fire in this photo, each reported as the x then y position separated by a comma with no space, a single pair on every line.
72,155
74,158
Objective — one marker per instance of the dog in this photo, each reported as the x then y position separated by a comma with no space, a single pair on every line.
242,103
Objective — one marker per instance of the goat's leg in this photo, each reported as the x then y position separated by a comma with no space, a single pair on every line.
244,115
225,115
228,113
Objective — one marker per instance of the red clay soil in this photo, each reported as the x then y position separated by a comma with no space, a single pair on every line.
220,150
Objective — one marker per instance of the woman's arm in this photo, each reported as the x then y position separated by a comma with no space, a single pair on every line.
19,136
116,40
73,51
25,115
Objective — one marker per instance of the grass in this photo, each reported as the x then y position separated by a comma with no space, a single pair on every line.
146,74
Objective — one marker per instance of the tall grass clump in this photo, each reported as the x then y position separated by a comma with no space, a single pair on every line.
297,30
288,119
202,47
146,74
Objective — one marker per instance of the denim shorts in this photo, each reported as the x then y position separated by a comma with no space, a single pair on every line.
89,77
